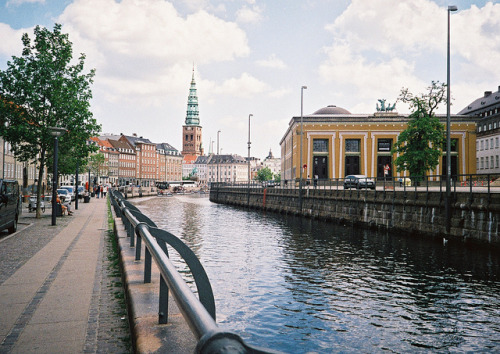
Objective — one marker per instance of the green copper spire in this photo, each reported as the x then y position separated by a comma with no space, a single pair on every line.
192,114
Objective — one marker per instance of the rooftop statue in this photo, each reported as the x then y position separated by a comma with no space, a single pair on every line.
383,108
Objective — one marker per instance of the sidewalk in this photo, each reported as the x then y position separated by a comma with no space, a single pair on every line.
55,301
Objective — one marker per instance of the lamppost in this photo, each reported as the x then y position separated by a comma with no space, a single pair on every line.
448,129
301,134
218,132
56,132
248,197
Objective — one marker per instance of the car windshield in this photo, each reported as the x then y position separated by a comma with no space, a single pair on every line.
69,189
62,191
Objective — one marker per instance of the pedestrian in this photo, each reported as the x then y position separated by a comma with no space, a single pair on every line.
96,191
101,190
315,181
105,190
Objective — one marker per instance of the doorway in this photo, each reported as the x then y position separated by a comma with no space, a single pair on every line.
383,161
352,165
320,167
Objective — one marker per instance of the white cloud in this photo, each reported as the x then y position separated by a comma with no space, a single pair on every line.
380,46
138,40
272,62
244,86
249,15
11,40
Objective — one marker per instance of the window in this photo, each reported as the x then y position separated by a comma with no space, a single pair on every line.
352,145
477,163
497,162
384,145
482,163
489,126
494,125
486,144
486,164
482,145
491,143
479,129
492,165
320,145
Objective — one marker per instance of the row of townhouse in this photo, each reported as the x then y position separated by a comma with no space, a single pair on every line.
133,160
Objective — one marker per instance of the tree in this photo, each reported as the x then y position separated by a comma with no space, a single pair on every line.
97,164
264,174
420,145
42,89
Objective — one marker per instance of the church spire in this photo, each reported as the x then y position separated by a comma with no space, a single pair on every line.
192,114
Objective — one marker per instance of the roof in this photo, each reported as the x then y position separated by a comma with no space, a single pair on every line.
134,140
482,103
119,144
332,109
228,159
189,159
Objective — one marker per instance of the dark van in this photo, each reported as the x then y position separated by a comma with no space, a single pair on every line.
9,205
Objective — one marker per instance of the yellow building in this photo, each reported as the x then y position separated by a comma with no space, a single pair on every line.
337,143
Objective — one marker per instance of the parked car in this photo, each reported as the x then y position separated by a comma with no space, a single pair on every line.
64,195
32,204
71,191
9,205
358,182
81,192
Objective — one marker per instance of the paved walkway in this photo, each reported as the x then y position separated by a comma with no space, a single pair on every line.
64,298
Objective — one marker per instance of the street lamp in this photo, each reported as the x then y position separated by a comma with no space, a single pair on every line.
218,132
56,132
250,115
448,129
301,134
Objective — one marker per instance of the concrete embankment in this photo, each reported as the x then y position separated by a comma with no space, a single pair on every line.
475,216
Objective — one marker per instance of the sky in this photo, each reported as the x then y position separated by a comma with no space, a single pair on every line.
253,57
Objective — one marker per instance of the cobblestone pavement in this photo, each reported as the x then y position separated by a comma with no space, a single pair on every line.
107,330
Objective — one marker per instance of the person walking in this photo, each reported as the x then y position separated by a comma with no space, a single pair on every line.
105,190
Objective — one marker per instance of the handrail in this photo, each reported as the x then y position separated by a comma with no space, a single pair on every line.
198,313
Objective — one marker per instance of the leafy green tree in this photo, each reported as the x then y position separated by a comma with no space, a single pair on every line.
97,164
420,145
277,177
264,174
42,89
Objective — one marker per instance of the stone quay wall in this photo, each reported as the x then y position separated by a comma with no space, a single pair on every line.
475,217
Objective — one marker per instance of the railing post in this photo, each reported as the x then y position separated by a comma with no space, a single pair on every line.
147,266
163,302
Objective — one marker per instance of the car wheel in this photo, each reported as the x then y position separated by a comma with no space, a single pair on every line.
13,228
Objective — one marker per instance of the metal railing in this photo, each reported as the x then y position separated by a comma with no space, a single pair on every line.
199,313
465,183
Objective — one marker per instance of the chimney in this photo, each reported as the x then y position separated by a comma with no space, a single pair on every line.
134,134
487,93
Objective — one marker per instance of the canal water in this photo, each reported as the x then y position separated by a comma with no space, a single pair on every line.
300,285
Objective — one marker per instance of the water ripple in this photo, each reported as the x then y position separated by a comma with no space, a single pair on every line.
301,286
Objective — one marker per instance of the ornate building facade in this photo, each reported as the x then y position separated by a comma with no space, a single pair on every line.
337,143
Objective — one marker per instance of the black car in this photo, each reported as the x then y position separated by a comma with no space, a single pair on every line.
9,205
358,182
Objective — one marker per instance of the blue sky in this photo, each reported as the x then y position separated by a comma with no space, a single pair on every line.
253,56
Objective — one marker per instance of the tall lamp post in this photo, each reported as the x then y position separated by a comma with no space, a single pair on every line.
448,129
56,132
301,134
248,197
218,132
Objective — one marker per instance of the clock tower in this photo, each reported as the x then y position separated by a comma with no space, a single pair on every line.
191,131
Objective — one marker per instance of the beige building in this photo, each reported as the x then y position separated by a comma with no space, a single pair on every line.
337,143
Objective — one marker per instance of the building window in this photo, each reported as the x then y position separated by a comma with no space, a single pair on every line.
320,145
352,145
486,144
384,145
486,163
477,163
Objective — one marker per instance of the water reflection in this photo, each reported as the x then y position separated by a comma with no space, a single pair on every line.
300,285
